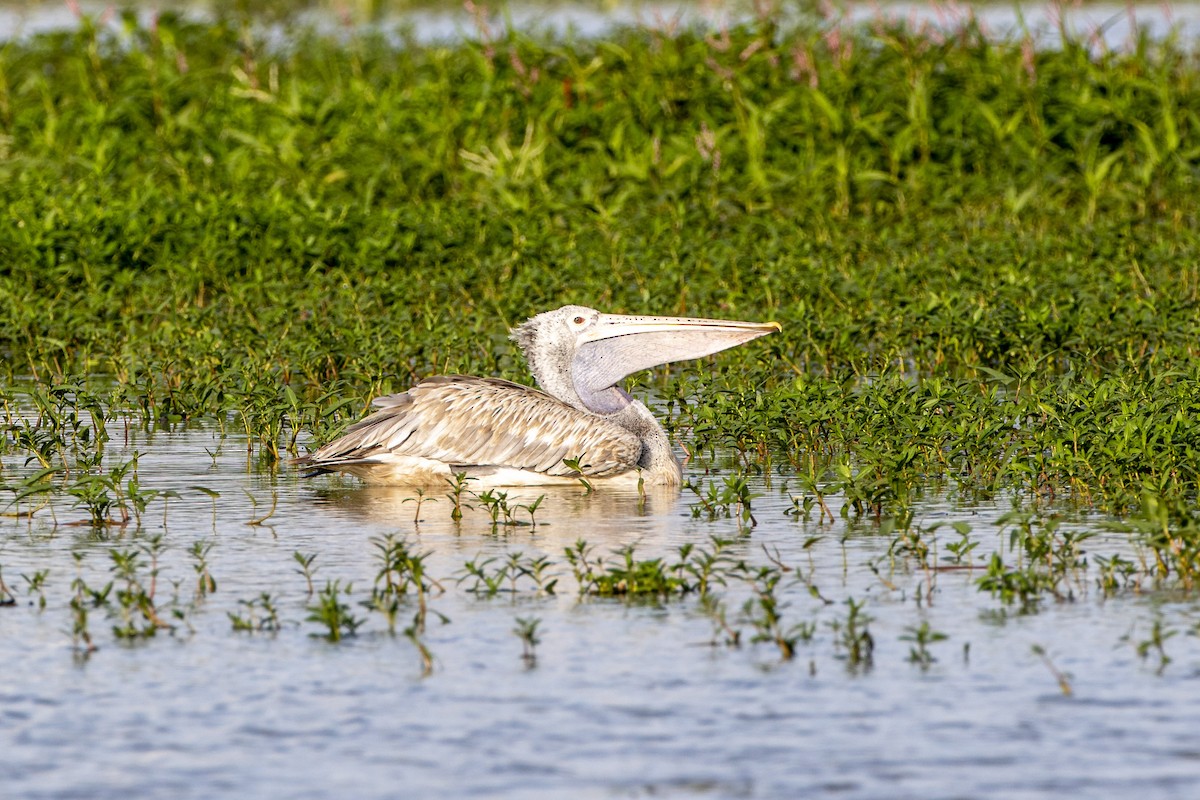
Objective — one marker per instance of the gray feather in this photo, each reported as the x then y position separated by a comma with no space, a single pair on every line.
487,422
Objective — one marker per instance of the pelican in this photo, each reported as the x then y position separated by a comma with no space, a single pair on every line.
579,424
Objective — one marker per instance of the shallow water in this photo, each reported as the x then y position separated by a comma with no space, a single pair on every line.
1111,25
625,700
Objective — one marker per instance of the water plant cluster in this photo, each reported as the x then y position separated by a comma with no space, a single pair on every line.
754,600
735,592
984,256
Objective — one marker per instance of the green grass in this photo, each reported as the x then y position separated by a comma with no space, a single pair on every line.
985,259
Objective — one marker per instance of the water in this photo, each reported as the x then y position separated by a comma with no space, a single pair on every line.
625,700
1115,25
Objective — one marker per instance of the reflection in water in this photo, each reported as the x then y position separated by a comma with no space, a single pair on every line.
561,515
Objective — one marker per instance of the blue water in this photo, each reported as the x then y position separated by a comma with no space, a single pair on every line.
625,700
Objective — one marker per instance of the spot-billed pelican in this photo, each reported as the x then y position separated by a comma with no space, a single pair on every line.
506,434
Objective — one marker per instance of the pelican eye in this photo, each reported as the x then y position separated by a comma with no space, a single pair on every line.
578,320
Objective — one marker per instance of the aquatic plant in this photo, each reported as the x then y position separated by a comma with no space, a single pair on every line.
1062,678
457,487
261,615
1022,585
629,577
531,508
575,464
7,598
731,501
418,501
527,631
401,568
1117,573
960,551
501,511
723,632
81,637
708,567
489,580
258,519
764,612
984,262
413,633
921,637
495,502
331,612
35,584
853,636
205,583
136,582
1042,344
1156,644
484,581
306,568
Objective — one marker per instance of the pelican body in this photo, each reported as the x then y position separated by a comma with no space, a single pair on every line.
579,424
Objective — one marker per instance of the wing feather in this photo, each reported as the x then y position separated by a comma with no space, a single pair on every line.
466,421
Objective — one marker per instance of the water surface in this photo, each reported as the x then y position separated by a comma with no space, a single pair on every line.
625,700
1110,25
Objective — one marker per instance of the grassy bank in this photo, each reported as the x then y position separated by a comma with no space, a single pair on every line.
985,258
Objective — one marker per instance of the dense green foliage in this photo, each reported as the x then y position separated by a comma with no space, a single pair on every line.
986,259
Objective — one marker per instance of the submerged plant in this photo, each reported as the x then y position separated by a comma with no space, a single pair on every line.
413,633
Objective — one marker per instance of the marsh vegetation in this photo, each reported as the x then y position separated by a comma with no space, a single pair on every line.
978,425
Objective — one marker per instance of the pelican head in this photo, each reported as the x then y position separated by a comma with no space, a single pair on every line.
579,355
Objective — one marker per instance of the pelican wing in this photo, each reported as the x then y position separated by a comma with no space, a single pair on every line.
464,421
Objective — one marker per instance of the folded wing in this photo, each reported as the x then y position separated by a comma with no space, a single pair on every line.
470,422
